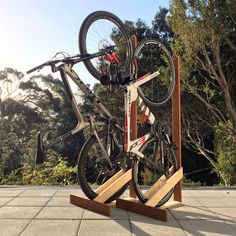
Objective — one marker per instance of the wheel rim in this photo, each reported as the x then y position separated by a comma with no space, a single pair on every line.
152,56
100,34
146,176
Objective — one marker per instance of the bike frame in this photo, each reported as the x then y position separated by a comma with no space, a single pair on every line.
131,96
65,72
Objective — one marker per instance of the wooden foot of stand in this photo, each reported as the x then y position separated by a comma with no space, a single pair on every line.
131,204
104,192
148,209
91,205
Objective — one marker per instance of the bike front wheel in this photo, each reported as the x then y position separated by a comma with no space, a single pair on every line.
93,169
151,56
145,175
99,30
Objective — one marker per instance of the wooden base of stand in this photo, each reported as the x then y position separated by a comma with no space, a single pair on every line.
104,192
149,209
131,204
98,207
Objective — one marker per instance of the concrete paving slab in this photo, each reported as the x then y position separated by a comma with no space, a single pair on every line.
38,192
233,199
186,212
67,192
228,215
10,192
104,228
117,213
232,224
229,193
213,193
28,201
12,227
188,193
138,217
52,228
10,212
4,200
153,227
190,201
60,201
33,210
61,213
217,202
209,227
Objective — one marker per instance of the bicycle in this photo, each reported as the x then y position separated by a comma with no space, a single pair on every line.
108,124
148,57
113,145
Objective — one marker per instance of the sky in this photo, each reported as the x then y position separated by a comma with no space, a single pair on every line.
32,31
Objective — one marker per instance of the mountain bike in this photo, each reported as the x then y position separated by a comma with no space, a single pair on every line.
105,131
101,29
150,83
110,147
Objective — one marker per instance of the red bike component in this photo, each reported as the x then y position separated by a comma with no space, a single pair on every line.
108,58
142,118
112,58
115,58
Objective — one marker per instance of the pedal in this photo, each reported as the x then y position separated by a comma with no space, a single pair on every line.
40,155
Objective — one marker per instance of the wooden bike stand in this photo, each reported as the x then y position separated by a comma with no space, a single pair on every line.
159,189
104,192
163,185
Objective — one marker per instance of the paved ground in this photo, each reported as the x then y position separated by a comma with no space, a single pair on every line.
47,211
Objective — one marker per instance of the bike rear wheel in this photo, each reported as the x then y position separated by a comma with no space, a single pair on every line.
93,169
151,56
143,173
99,30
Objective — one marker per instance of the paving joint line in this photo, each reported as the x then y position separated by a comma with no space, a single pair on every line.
33,218
130,223
12,198
80,223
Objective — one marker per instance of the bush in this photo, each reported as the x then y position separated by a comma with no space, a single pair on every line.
55,171
225,150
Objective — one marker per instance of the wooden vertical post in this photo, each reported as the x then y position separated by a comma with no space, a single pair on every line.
176,125
133,123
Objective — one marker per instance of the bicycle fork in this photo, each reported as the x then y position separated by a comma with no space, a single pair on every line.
105,152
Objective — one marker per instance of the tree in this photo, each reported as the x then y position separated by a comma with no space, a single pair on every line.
161,28
27,106
205,39
51,101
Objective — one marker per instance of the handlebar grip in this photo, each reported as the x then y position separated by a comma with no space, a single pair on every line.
38,67
30,71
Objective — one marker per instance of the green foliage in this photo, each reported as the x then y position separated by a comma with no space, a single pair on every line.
49,173
225,150
55,171
113,101
148,177
40,104
189,183
205,40
10,149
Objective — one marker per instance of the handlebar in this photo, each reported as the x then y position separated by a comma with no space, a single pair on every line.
71,60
